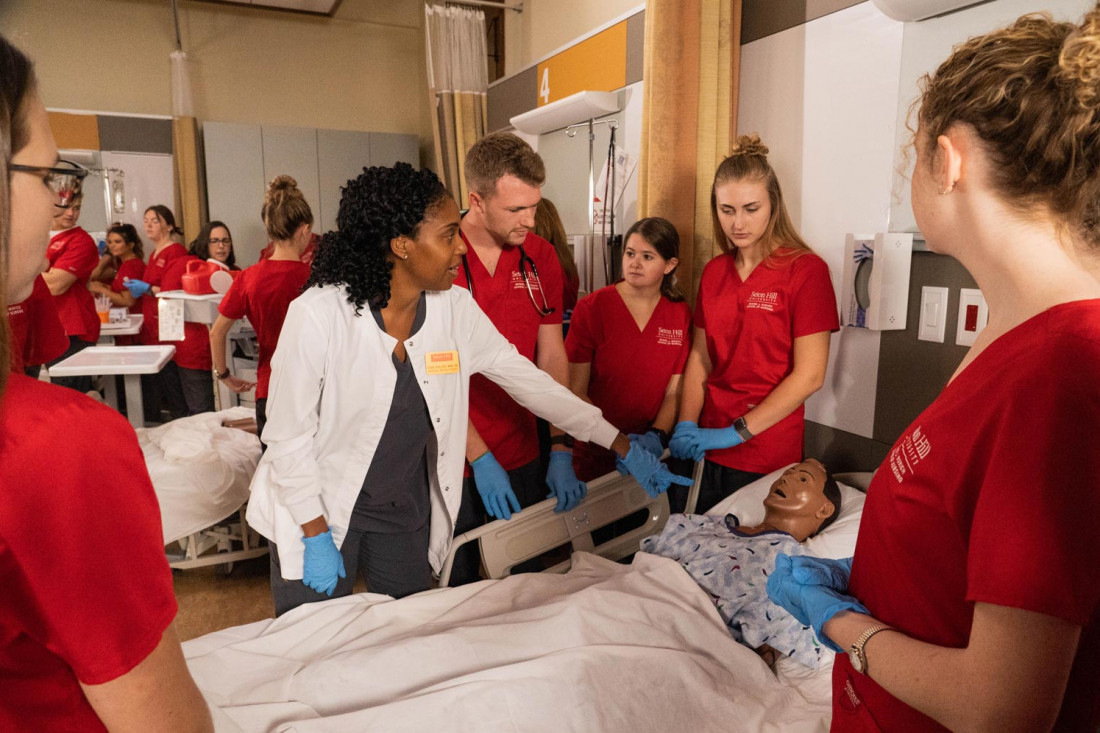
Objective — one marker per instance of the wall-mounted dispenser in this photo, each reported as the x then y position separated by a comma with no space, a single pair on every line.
875,292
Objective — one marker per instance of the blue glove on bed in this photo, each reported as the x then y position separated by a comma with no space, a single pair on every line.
653,475
650,441
136,287
691,441
809,570
323,563
812,605
563,482
495,487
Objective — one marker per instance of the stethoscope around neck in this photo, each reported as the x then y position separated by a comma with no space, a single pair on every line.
524,263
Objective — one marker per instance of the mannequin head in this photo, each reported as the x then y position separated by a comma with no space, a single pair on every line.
803,501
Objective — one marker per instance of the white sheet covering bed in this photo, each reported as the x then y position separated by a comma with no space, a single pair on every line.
605,647
200,470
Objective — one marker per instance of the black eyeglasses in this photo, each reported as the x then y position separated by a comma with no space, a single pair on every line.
215,240
524,263
65,182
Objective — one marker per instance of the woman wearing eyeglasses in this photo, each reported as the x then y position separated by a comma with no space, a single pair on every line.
763,317
79,650
215,244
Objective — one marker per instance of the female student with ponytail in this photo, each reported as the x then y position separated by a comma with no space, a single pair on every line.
627,345
762,321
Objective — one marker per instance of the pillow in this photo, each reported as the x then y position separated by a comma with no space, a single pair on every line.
837,541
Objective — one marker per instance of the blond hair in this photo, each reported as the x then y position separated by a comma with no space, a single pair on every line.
499,154
748,160
285,209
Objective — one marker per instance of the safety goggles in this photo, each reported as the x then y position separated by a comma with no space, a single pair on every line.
65,179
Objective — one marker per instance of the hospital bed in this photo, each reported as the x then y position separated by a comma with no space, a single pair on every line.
201,471
602,646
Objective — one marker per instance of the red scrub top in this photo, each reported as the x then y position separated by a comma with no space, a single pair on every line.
194,351
37,335
73,251
67,502
154,271
263,293
990,496
132,269
751,326
307,253
507,428
630,368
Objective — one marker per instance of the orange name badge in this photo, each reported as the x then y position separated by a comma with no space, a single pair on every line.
441,362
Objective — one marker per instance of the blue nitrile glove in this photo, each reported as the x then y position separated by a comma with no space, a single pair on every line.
323,563
563,482
102,247
682,443
650,441
694,442
653,475
137,288
811,605
495,488
809,570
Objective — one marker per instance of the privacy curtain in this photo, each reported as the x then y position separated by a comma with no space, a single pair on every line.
689,118
458,81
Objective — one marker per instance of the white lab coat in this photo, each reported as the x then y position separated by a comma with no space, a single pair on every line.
332,382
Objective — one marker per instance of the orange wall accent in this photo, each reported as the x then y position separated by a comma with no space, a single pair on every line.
75,132
595,64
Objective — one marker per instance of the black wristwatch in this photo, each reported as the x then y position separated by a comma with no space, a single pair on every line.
566,440
661,435
742,429
222,375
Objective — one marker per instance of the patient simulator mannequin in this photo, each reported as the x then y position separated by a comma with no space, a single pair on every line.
732,562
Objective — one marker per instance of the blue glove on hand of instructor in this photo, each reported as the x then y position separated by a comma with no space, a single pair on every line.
653,475
323,563
812,604
137,288
650,441
691,441
563,482
495,487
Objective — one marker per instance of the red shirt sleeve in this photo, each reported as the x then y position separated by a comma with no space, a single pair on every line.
580,342
234,304
813,301
78,257
702,298
132,269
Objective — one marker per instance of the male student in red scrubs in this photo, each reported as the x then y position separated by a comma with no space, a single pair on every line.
515,277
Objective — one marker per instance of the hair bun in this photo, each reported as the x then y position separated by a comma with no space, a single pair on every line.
1079,62
749,145
283,183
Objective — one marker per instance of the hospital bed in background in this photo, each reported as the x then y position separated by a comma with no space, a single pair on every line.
201,471
602,646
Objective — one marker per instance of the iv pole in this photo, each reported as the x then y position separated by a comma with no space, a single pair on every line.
590,254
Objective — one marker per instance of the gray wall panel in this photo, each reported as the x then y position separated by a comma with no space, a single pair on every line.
235,184
135,134
293,151
635,47
510,97
760,18
388,148
840,450
341,156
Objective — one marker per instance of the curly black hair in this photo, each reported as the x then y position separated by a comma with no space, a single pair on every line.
375,207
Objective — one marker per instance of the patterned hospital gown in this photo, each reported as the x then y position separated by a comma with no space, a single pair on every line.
733,568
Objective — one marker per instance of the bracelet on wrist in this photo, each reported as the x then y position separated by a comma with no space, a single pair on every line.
222,376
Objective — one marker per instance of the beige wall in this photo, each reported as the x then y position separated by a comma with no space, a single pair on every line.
546,25
363,70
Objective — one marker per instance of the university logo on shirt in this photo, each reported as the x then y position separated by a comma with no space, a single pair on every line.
905,456
670,336
761,300
519,284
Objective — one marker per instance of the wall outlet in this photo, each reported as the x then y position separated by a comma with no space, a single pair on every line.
973,315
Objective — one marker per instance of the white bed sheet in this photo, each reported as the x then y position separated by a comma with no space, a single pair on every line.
605,647
200,470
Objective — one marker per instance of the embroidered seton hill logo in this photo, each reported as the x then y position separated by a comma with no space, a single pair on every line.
670,336
518,284
763,301
908,453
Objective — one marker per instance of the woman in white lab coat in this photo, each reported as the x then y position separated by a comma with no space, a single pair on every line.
367,408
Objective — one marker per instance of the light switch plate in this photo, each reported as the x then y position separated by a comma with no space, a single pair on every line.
933,313
973,315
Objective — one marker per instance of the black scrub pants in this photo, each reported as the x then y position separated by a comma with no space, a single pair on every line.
392,564
718,482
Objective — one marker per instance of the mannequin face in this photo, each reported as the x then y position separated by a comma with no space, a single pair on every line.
796,502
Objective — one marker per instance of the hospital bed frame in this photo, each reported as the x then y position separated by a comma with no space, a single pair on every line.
233,541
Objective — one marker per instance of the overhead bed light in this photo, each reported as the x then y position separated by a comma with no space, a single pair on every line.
909,10
575,108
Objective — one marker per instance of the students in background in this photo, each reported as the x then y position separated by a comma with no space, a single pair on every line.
548,226
79,650
215,244
973,599
763,316
263,292
628,343
127,262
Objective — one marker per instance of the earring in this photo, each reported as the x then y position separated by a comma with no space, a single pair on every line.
406,256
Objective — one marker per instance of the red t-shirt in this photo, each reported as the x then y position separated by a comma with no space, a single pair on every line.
630,368
65,504
263,293
73,251
307,253
154,272
751,327
134,269
508,429
37,335
990,496
571,287
194,351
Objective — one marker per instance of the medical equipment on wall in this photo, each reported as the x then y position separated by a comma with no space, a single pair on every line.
875,290
909,10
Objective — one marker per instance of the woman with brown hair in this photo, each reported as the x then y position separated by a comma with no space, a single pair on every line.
763,316
973,599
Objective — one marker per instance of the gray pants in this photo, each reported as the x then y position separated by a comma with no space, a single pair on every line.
393,564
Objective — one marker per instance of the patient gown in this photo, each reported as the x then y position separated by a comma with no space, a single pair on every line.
733,568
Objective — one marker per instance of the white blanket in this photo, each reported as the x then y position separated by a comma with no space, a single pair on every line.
200,470
605,647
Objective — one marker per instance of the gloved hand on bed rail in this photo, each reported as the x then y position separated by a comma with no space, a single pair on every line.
812,604
494,486
653,475
563,482
651,441
691,441
323,564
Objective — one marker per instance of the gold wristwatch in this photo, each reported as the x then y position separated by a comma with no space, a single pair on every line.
855,653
